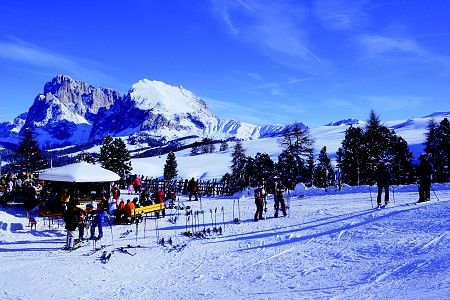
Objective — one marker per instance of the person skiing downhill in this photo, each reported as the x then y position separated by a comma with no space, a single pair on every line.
424,171
382,183
278,197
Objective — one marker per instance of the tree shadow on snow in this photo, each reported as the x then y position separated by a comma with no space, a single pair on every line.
269,232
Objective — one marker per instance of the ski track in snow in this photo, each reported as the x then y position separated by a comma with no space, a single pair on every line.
332,246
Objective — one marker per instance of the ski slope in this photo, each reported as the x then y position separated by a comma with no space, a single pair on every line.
332,245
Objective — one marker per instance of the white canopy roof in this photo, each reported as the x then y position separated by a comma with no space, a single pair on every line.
79,172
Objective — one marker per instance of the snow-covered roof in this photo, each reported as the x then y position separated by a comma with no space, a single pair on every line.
79,172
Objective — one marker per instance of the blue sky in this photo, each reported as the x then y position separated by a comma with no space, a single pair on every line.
261,62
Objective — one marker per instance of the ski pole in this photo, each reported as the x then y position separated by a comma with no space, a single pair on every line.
370,191
223,218
145,226
393,193
194,215
431,187
239,209
187,216
157,230
203,216
212,221
234,200
112,239
215,219
137,228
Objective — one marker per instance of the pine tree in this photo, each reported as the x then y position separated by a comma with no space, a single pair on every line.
287,167
264,168
298,150
115,157
400,161
431,143
238,162
170,168
350,155
207,146
363,150
437,145
223,146
444,141
376,145
195,150
29,156
86,157
323,171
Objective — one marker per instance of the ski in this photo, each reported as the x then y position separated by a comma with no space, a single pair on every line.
93,251
125,250
77,245
125,234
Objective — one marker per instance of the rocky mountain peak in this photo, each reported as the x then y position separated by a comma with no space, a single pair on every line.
79,97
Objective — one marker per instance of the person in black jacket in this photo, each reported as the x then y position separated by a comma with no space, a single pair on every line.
383,179
70,218
424,171
278,197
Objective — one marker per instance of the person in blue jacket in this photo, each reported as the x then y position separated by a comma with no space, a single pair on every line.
100,218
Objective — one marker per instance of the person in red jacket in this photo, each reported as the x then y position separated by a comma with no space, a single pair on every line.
116,194
137,184
159,199
129,208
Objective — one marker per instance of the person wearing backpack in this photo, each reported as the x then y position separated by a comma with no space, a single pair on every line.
260,201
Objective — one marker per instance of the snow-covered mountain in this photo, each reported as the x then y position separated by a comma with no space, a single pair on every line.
74,112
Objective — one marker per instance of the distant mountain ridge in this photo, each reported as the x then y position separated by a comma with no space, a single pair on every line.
71,112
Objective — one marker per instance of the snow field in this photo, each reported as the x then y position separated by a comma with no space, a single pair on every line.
331,246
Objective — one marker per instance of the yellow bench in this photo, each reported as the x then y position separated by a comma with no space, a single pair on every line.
140,211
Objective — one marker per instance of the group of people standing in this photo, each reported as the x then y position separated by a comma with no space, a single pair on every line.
424,174
261,198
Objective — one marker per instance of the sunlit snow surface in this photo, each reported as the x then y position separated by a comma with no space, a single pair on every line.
332,245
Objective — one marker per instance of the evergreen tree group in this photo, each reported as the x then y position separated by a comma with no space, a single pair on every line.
362,150
115,157
86,157
296,161
323,171
437,147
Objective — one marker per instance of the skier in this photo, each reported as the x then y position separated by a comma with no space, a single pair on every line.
382,183
337,178
260,201
424,171
81,223
137,184
279,189
159,199
100,218
193,189
129,209
116,194
29,193
70,218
